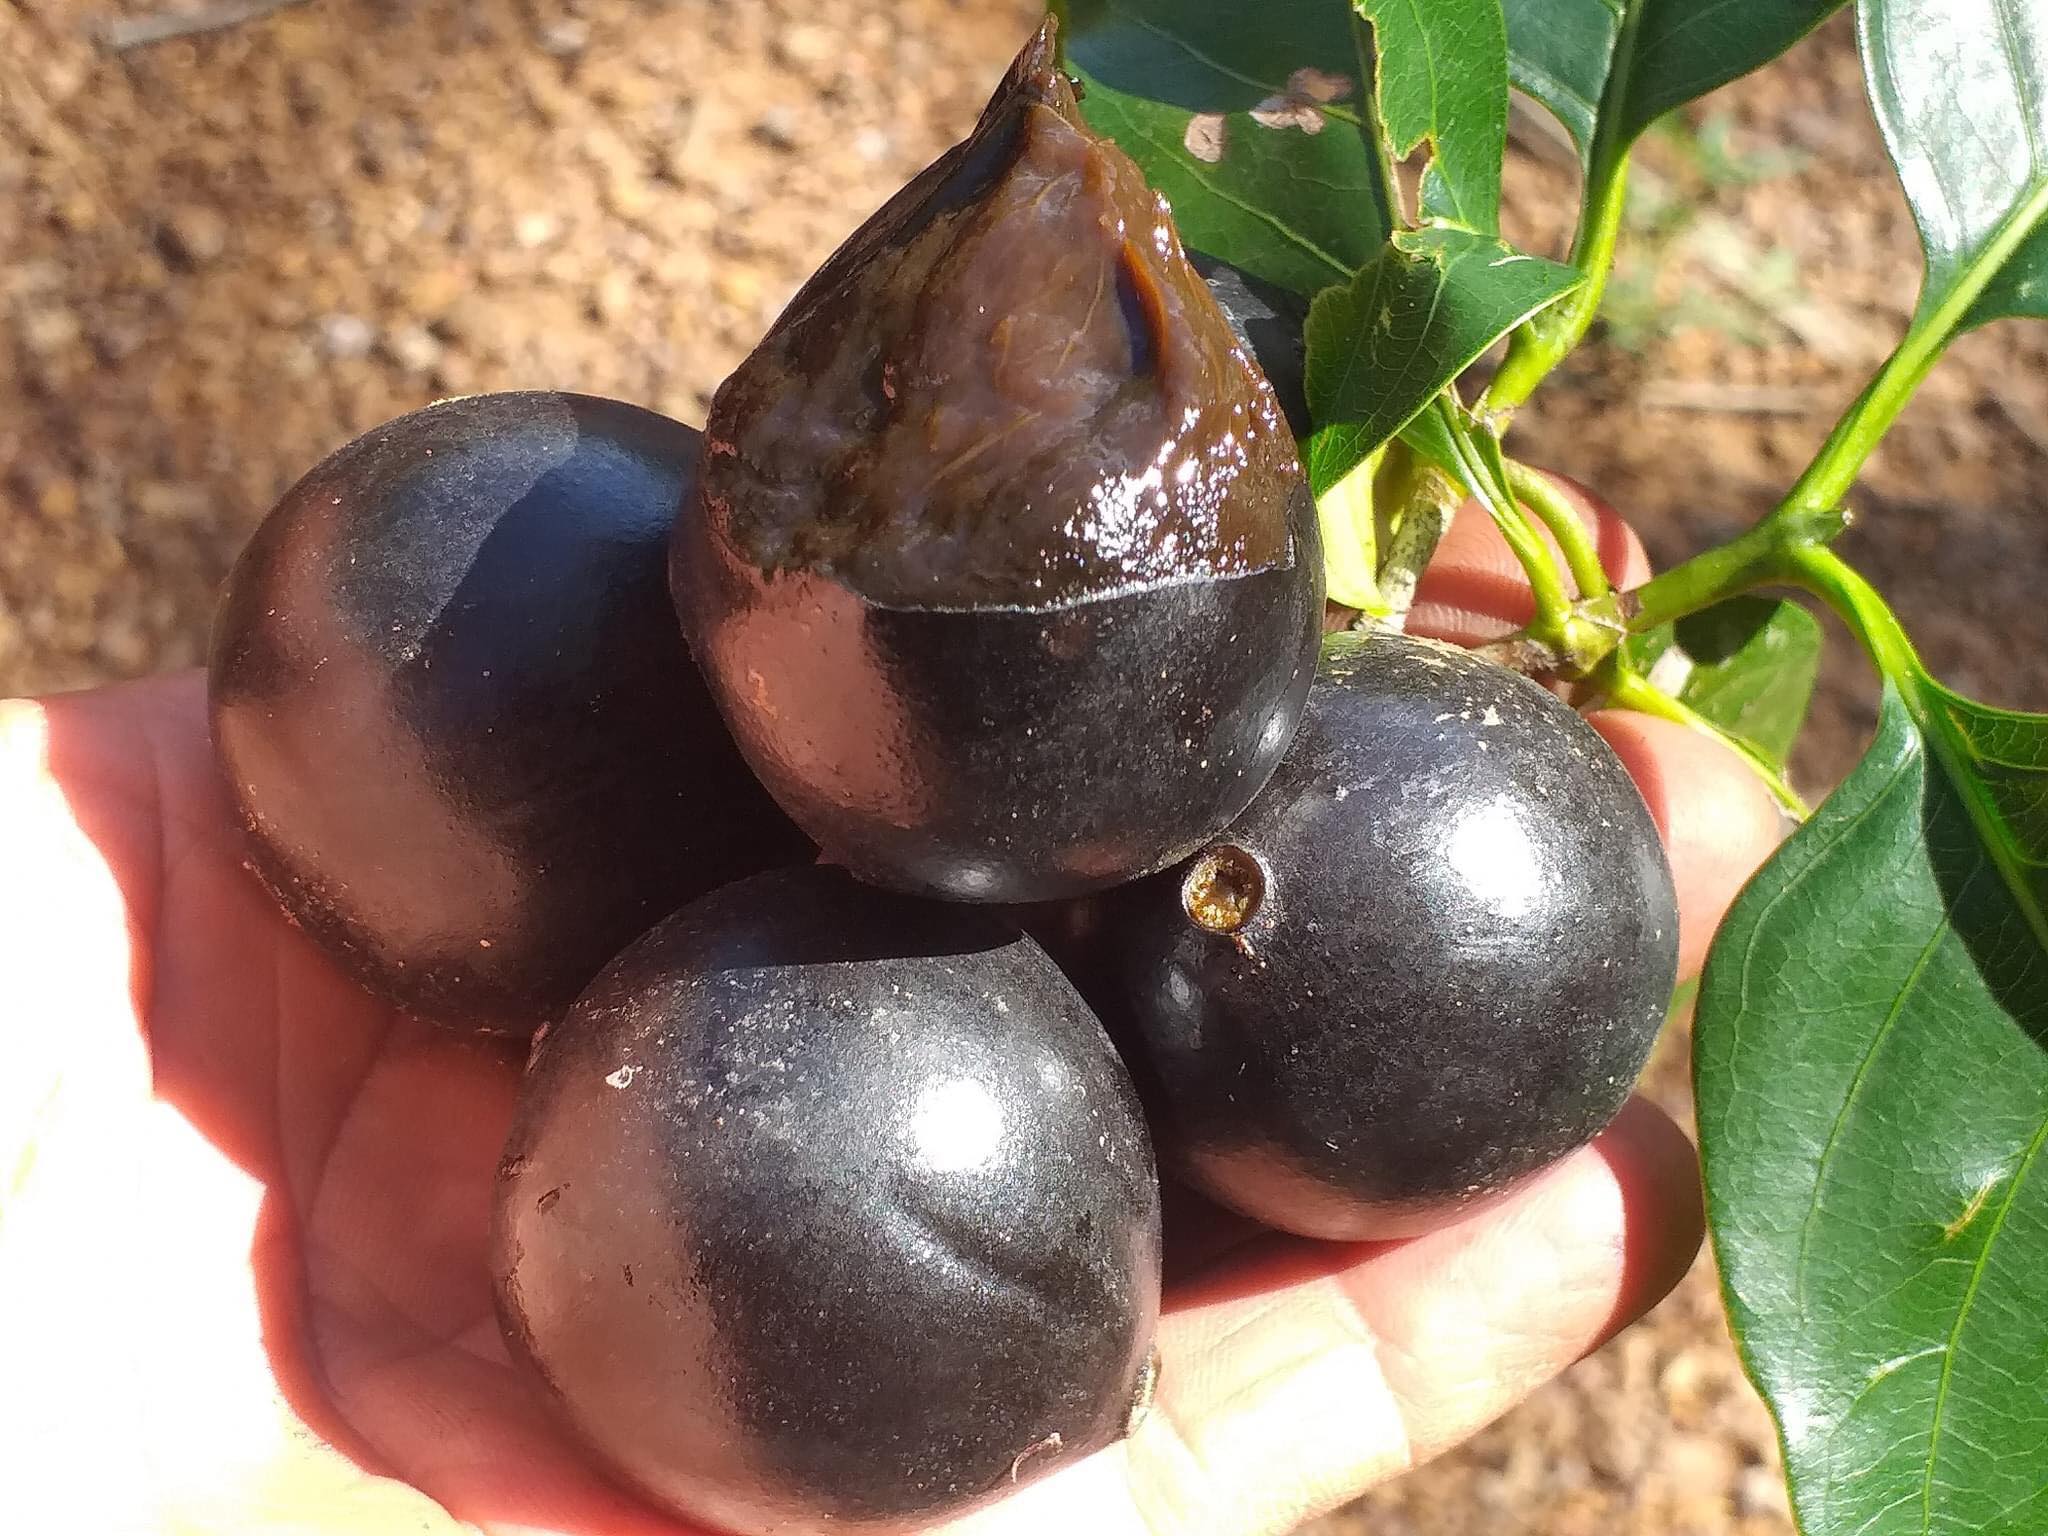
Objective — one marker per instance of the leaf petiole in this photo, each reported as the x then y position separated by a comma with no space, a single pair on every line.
1581,557
1819,570
1757,557
1870,618
1631,690
1834,469
1556,626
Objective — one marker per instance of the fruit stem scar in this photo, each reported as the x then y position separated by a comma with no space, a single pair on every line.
1224,889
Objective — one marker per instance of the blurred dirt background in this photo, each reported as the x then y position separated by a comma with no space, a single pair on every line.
223,255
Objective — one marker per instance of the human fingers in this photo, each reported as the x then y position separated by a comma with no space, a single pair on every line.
1296,1375
1717,820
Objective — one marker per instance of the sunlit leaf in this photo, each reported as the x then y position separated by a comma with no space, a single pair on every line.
1579,58
1385,345
1873,1097
1247,118
1960,88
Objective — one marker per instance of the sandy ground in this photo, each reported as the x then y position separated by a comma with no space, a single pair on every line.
222,257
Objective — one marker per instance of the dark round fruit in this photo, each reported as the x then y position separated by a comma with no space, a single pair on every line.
1428,962
452,705
1004,569
826,1205
1269,320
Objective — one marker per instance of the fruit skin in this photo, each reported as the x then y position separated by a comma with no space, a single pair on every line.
1003,569
829,1208
1462,955
471,753
1269,320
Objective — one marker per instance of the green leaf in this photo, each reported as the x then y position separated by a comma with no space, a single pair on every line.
1427,433
1384,345
1443,81
1872,1068
1960,88
1559,53
1583,60
1749,665
1247,118
1998,761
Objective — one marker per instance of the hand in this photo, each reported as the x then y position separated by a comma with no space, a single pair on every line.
243,1208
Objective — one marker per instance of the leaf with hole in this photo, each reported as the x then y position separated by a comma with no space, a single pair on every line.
1247,118
1442,81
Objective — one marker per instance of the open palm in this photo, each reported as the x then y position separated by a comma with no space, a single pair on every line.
243,1212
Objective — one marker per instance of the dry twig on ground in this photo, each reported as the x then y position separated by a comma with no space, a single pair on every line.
128,32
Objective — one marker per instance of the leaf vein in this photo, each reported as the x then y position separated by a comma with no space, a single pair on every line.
1855,1094
2010,47
1983,1260
1761,921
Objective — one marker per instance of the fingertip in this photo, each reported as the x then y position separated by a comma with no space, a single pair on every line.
1718,821
1657,1174
1297,1373
1483,1312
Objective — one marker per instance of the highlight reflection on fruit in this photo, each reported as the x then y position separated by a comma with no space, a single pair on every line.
448,696
1429,961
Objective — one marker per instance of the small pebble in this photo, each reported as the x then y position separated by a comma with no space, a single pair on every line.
345,336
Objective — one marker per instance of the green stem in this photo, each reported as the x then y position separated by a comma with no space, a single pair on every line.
1539,493
1786,545
1835,582
1841,457
1754,558
1554,619
1631,690
1830,578
1419,498
1543,341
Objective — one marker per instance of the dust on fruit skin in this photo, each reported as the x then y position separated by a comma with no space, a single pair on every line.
1009,388
1463,956
462,734
886,1198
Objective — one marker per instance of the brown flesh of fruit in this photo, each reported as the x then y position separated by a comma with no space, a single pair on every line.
1010,389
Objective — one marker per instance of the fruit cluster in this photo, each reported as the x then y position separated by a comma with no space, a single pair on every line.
829,1198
